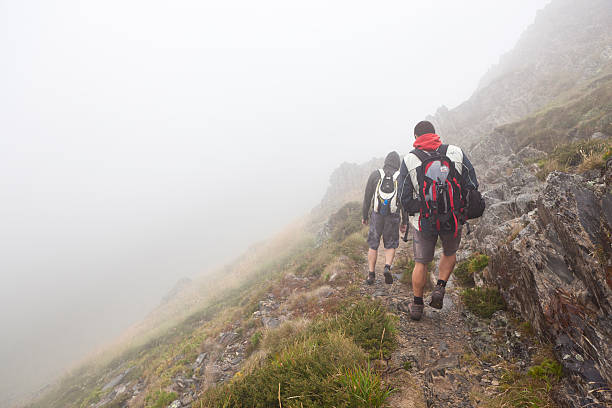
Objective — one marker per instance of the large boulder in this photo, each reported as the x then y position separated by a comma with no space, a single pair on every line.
557,273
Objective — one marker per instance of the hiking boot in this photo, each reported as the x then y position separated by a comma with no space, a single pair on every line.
370,279
416,311
437,297
388,276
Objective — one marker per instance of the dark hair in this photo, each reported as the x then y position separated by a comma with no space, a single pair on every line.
423,127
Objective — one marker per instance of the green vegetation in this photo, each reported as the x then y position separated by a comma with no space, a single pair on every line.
576,157
254,342
482,302
464,271
478,262
92,398
548,371
370,326
160,399
364,387
462,274
528,389
324,363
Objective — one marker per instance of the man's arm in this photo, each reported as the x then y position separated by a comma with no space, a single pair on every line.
369,193
405,190
468,175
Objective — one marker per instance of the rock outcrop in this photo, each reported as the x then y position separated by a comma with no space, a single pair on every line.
346,183
557,273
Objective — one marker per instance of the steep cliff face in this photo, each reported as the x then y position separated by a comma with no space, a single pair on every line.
569,43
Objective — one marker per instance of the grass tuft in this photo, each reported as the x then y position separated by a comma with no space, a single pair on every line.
160,399
483,302
576,157
548,371
464,271
370,326
364,387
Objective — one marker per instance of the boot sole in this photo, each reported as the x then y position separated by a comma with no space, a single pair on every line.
388,278
437,303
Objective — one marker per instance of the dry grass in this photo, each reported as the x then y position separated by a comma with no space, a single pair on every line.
576,157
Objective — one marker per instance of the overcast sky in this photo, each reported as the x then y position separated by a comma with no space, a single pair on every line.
144,141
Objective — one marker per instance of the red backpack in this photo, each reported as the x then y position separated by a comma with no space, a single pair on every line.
442,204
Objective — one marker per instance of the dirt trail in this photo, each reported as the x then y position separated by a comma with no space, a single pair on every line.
426,369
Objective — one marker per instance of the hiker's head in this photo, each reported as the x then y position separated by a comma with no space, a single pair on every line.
393,161
423,127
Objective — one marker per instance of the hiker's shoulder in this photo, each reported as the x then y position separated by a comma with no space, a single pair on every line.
411,160
454,152
375,175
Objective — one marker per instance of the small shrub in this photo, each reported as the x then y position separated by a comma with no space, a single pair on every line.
463,275
464,271
548,371
477,263
483,302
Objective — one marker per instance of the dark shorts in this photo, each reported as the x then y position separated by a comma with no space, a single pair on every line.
424,245
386,226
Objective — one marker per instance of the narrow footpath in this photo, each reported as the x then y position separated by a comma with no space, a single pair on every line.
435,364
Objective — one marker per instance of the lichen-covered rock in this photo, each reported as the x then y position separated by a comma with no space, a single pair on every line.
557,273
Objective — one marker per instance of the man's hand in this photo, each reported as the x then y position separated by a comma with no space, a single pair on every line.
364,221
403,228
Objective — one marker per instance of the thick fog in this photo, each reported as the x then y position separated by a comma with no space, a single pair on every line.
145,141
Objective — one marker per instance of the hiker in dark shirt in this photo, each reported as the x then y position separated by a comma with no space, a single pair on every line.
382,208
435,181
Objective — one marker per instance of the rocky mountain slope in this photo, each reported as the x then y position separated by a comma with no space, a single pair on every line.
569,44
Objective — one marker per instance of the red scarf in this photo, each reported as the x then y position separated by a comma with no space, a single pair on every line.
428,141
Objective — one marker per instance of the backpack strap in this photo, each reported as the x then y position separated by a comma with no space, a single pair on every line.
382,173
424,155
421,154
442,149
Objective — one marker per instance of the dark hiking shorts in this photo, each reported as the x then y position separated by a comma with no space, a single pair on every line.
386,226
424,245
